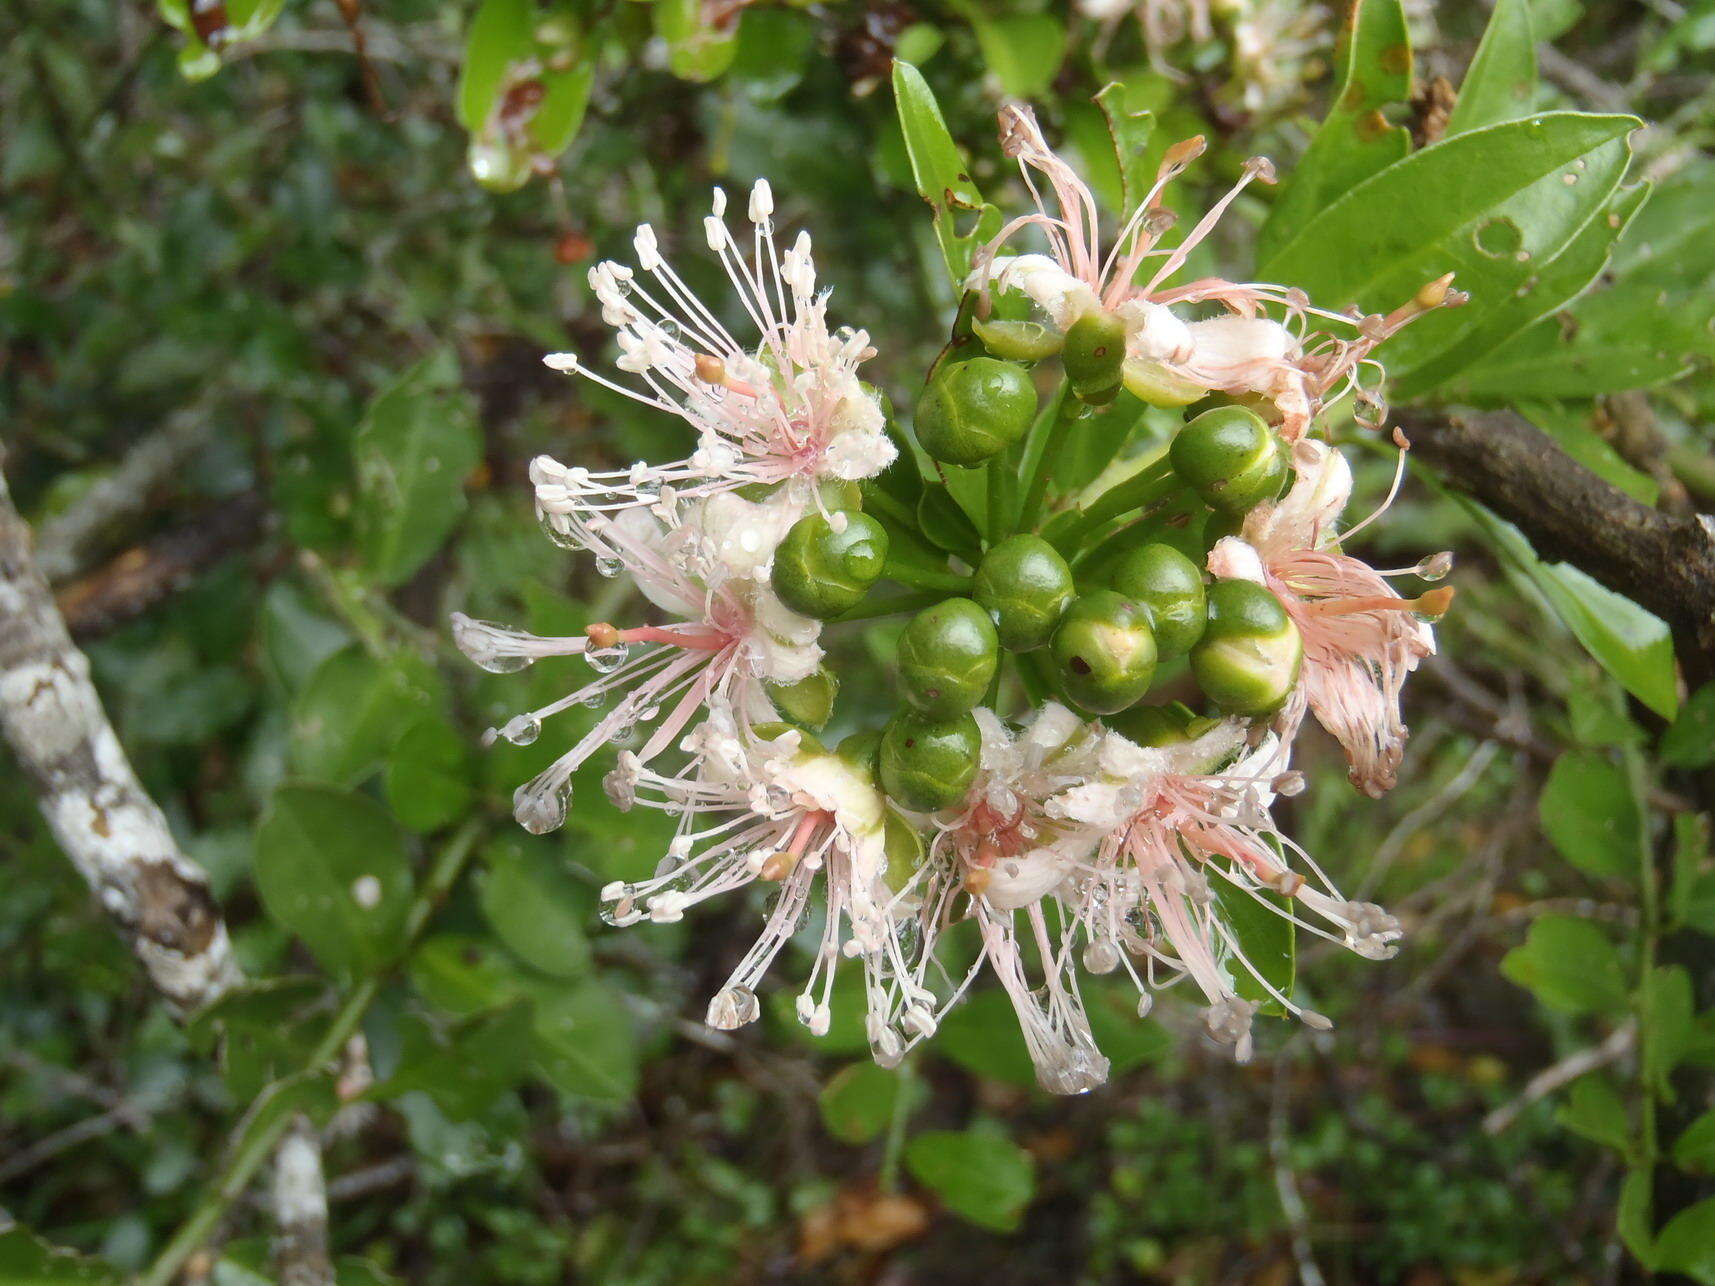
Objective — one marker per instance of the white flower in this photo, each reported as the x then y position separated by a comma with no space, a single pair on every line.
788,410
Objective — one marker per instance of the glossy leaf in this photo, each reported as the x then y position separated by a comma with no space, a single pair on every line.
417,443
332,867
584,1043
534,908
499,33
981,1035
1668,1008
943,179
1568,964
429,777
1501,81
1356,139
1490,205
1631,644
984,1178
1130,129
1588,812
349,715
1267,939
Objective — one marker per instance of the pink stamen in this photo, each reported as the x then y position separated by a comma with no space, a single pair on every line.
702,640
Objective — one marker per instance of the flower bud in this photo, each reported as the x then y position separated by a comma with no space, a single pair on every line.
1104,652
1170,587
928,764
821,572
1171,724
1025,586
808,703
975,409
904,848
1093,355
1248,658
947,658
1231,458
1017,341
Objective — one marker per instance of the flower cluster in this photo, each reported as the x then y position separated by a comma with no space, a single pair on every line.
1092,831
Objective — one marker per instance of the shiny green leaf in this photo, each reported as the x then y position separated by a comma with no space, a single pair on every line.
984,1178
943,179
1501,81
535,909
1588,812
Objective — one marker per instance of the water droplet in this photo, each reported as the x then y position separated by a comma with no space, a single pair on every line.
522,730
605,660
539,805
1436,566
609,566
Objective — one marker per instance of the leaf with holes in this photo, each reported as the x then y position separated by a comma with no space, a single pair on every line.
1491,206
331,866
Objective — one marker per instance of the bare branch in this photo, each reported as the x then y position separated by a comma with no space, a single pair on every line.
301,1209
108,826
1567,1069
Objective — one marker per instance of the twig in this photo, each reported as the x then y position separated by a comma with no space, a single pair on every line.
301,1209
1567,1069
65,544
108,826
24,1160
1286,1182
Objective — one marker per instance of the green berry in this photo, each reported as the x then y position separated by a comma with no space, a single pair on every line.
1171,587
808,703
1171,724
821,572
862,750
947,658
1104,651
1017,341
1093,354
975,409
1026,585
1231,458
928,764
1249,657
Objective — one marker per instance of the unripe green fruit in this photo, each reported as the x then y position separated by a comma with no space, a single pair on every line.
862,750
773,730
1170,586
904,848
975,409
1249,657
809,702
928,764
821,572
1104,651
1230,458
1026,586
1017,341
1093,354
1171,724
947,658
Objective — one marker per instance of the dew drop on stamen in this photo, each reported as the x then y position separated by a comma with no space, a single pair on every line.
522,730
605,660
609,566
1436,566
540,806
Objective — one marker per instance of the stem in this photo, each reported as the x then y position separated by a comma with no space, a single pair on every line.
889,605
1054,422
927,578
1155,482
895,1145
244,1163
1003,494
1648,930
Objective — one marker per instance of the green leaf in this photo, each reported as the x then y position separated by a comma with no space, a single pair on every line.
1568,964
1559,281
1691,901
1266,939
1356,140
1501,81
859,1101
429,774
1595,1110
981,1034
27,1260
942,177
349,714
1687,1244
1023,50
1588,813
464,974
584,1043
984,1178
1131,131
560,114
417,443
1633,1219
535,909
1695,1148
1669,1013
500,34
696,50
465,1074
331,866
1492,206
1690,741
1632,644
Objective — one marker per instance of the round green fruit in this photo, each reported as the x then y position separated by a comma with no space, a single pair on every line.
823,572
1093,354
808,703
1249,657
1026,586
929,764
1104,652
975,409
1171,587
1230,458
947,658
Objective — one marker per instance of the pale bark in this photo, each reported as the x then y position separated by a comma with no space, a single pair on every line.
101,816
301,1209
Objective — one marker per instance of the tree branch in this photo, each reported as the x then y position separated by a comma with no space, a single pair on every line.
301,1209
108,826
1665,562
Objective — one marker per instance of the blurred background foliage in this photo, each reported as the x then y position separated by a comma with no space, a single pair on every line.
313,251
